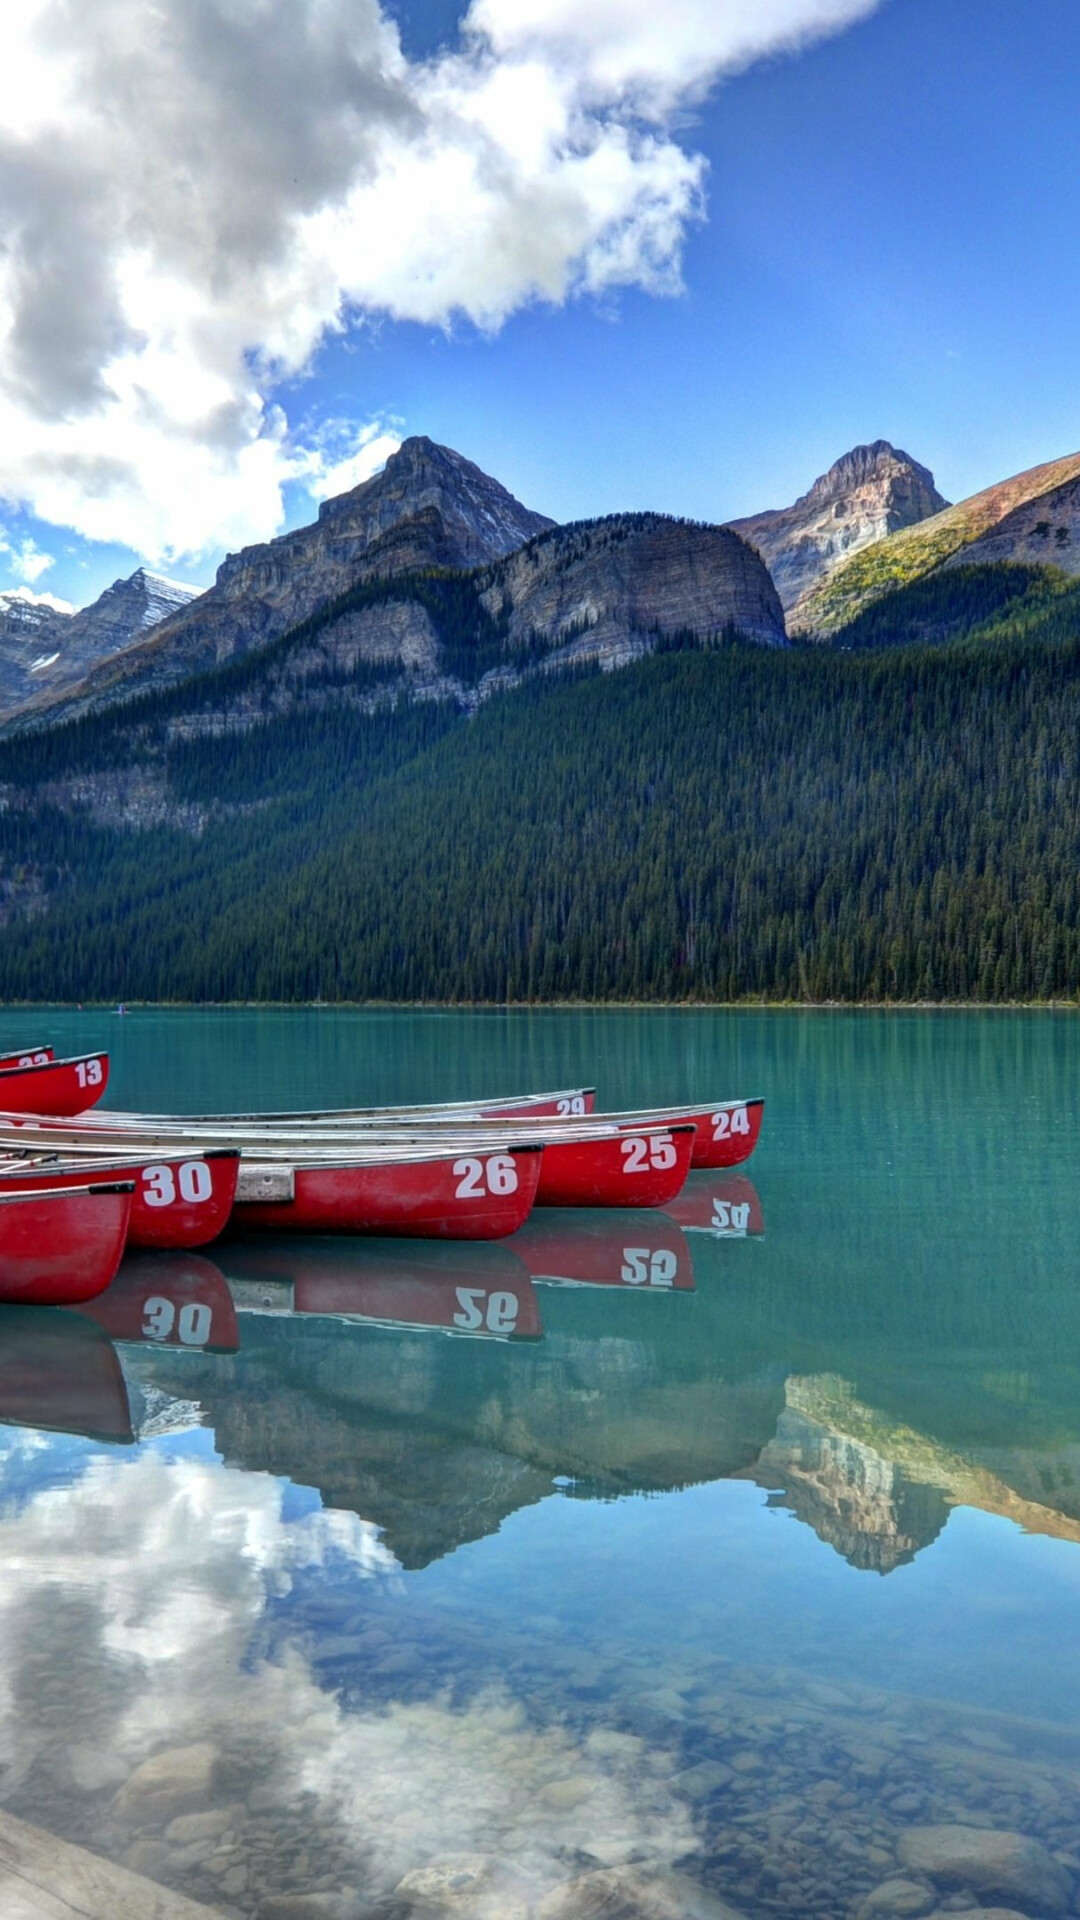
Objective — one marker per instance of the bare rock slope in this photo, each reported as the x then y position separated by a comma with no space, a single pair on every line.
609,588
1034,516
428,508
869,493
43,649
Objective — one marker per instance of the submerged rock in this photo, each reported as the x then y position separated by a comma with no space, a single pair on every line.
896,1900
1009,1865
180,1780
474,1886
633,1893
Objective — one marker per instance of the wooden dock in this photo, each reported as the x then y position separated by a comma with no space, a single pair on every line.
42,1878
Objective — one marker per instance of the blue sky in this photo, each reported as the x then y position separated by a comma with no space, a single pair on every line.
888,249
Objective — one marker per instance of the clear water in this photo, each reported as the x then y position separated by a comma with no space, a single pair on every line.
752,1580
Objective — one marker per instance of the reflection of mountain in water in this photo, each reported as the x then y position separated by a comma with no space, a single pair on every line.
438,1440
853,1459
858,1501
868,1424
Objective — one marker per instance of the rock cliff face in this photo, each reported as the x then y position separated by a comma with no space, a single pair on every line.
870,492
43,649
1034,516
428,508
608,588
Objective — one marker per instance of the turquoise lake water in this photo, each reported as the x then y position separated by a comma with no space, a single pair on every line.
753,1567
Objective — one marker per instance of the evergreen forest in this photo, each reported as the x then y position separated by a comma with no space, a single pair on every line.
892,817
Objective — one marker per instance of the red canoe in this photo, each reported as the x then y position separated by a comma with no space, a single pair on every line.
27,1057
482,1292
59,1373
646,1252
179,1201
169,1300
617,1169
728,1207
442,1196
57,1088
570,1104
61,1247
589,1164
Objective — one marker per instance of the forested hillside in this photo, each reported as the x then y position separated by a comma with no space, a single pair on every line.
871,822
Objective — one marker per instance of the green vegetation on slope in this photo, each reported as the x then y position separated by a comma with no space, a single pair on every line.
705,824
946,606
913,552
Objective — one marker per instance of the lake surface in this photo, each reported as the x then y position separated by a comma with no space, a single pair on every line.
753,1555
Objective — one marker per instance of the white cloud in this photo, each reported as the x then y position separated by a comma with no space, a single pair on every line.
338,456
24,596
194,193
25,561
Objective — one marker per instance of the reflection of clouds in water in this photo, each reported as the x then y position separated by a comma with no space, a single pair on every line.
173,1564
143,1583
423,1781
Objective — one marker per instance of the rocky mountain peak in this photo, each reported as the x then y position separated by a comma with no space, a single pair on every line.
44,647
878,465
869,492
473,516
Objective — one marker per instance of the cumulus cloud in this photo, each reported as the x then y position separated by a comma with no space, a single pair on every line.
24,559
194,193
336,456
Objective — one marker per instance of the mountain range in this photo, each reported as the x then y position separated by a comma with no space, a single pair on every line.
385,758
356,586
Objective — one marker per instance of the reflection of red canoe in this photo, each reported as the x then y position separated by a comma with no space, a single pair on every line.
60,1087
443,1196
645,1251
60,1373
727,1206
169,1300
181,1201
60,1248
482,1291
27,1057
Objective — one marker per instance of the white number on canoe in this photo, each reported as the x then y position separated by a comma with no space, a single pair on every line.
477,1177
728,1121
192,1323
658,1150
572,1104
731,1219
88,1073
34,1060
478,1309
641,1268
194,1178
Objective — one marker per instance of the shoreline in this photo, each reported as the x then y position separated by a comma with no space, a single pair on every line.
552,1006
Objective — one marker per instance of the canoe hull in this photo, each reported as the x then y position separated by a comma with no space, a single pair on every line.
56,1088
59,1249
481,1196
622,1170
727,1135
178,1203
